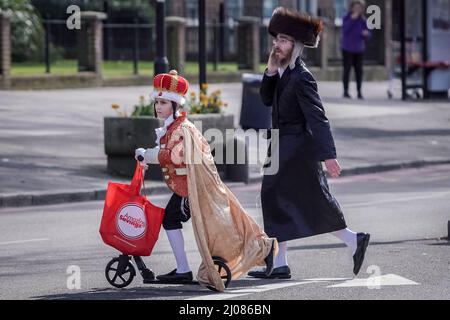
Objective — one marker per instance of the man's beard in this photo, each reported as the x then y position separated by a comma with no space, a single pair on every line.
286,60
283,61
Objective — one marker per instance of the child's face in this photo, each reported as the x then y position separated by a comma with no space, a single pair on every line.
163,108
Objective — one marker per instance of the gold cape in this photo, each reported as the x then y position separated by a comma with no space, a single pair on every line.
221,226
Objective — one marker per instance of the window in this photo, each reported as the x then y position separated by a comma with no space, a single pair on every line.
309,6
268,6
340,8
192,12
234,8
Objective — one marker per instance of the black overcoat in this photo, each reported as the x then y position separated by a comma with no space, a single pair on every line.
296,201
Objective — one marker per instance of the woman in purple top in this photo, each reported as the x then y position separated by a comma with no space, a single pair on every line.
354,35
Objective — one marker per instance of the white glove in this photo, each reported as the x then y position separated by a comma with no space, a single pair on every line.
141,153
149,155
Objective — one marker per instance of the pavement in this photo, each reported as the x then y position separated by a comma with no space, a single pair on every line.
51,141
55,251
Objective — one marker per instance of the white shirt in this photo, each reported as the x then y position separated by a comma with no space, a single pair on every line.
151,154
280,72
160,132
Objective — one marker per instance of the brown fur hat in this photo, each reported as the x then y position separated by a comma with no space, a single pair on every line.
298,25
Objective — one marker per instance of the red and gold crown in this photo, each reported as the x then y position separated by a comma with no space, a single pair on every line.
170,86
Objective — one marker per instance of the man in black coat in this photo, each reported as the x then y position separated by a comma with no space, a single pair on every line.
296,200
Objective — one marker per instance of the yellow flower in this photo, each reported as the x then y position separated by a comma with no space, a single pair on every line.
204,86
193,95
115,106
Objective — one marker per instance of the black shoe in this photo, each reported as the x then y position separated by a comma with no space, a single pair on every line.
269,259
283,272
347,96
360,96
174,277
362,241
148,275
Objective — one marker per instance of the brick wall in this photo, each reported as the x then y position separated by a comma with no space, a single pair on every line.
5,45
5,51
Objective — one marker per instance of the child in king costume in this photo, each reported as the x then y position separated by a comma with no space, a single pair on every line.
221,226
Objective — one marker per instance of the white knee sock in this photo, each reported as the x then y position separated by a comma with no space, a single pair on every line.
281,258
348,237
177,243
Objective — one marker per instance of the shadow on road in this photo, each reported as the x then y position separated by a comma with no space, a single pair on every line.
436,241
153,291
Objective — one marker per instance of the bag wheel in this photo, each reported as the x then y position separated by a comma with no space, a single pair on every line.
224,271
120,272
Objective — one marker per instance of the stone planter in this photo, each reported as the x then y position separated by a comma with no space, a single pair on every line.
212,121
122,136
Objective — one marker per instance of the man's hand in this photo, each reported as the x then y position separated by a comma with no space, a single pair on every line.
333,168
366,33
272,64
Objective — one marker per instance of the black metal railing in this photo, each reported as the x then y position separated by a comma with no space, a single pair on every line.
136,42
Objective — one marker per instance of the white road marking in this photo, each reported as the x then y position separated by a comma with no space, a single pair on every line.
328,279
384,280
374,203
23,241
243,292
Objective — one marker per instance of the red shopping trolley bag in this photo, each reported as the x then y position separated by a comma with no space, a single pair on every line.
130,222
